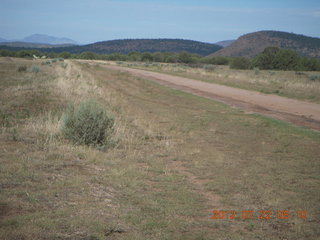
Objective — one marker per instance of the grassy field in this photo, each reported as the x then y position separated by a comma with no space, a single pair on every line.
178,158
299,85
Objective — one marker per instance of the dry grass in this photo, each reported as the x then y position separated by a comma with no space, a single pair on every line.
178,158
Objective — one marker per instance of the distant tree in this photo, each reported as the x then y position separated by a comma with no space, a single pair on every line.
310,64
185,57
134,56
7,53
24,53
65,55
170,57
266,60
287,59
220,60
146,57
117,57
240,63
88,55
158,57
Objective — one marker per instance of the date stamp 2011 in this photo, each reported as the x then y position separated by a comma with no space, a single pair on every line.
263,214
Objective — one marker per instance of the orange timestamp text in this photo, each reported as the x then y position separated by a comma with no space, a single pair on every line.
263,214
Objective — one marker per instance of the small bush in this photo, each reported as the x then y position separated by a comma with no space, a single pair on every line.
22,69
314,77
88,124
35,69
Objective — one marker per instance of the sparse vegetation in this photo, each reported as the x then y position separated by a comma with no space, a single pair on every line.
170,142
88,124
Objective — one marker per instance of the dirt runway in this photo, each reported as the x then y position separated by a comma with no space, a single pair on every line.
297,112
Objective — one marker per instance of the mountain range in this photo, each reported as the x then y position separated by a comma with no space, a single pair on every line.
248,45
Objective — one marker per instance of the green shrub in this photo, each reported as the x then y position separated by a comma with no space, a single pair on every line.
35,69
88,124
240,63
22,69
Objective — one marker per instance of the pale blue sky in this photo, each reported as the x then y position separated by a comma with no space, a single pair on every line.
203,20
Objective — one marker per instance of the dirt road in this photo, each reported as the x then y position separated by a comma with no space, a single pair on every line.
297,112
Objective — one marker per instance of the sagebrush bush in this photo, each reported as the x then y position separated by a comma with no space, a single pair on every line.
35,69
88,124
22,69
314,77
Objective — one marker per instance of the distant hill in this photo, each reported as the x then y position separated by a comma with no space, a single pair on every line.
33,45
145,45
45,39
132,45
3,40
225,43
250,45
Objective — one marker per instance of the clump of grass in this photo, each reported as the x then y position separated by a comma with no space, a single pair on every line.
256,70
35,69
64,65
88,124
22,68
314,77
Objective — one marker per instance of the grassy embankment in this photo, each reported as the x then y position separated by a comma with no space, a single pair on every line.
178,158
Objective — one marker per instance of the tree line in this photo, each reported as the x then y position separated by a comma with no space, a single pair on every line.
272,58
